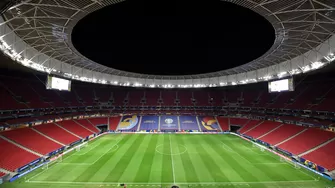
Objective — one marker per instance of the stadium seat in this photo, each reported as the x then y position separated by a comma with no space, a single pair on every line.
88,125
32,140
56,133
2,174
169,98
306,140
151,98
248,126
75,128
98,121
114,122
238,121
262,129
185,98
224,123
201,98
323,156
282,133
17,157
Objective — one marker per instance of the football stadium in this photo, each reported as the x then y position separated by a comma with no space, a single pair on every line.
167,93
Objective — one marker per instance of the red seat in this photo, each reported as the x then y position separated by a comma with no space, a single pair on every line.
88,125
323,156
282,133
114,122
306,140
262,129
32,140
75,128
249,125
17,157
57,133
224,123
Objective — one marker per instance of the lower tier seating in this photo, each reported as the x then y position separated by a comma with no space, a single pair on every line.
99,121
2,174
284,132
114,122
57,133
32,140
263,128
249,125
75,128
323,156
238,121
306,140
88,125
224,123
16,156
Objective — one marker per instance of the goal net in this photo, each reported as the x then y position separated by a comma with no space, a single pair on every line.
83,145
48,164
290,161
255,145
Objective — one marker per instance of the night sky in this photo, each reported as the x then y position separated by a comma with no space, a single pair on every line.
175,37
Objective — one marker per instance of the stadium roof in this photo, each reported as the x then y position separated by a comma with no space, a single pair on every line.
37,33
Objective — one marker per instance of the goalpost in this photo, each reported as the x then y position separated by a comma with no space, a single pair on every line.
83,145
255,145
57,160
291,162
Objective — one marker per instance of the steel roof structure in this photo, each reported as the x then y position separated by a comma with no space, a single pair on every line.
37,34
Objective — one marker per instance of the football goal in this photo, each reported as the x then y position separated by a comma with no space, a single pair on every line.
83,145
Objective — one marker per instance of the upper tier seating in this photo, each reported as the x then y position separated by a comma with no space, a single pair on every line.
306,140
85,94
135,98
323,156
282,133
114,122
152,98
16,156
238,121
32,140
185,98
88,125
216,98
103,94
262,129
7,102
328,103
224,123
119,97
201,98
57,133
249,125
75,128
249,97
169,98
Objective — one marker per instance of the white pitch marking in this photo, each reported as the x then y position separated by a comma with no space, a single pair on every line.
172,162
181,183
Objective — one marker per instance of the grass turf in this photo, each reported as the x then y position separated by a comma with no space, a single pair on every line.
164,160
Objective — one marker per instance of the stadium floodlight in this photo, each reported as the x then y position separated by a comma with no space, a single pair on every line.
330,57
281,74
317,65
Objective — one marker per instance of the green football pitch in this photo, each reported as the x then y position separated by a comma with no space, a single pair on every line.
162,160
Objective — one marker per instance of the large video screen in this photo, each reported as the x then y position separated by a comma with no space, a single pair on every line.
281,85
58,83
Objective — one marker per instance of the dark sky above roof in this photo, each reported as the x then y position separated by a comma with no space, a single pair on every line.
173,37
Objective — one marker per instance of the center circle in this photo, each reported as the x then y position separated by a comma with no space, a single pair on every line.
173,37
167,151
